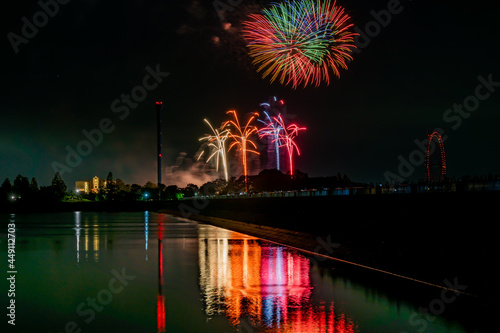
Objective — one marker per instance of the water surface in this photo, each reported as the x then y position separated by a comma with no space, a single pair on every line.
150,272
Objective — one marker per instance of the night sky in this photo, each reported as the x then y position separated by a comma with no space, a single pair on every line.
404,83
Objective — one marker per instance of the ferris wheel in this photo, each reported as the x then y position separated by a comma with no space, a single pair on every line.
435,164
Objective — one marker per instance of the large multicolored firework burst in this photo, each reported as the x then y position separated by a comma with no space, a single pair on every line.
299,42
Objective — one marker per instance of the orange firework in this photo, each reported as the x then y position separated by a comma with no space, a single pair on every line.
241,136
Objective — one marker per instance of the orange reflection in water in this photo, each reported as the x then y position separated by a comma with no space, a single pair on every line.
242,293
242,277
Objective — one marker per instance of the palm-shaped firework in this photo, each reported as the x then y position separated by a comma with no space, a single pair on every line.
273,130
300,41
287,137
241,138
217,142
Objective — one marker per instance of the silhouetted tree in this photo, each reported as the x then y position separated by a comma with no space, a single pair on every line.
5,190
34,185
48,194
219,185
299,180
121,189
271,180
346,181
190,190
208,188
58,187
33,190
232,186
92,196
151,189
110,188
120,185
6,185
21,187
170,192
135,192
150,184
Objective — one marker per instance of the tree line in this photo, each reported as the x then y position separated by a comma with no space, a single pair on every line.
21,189
24,190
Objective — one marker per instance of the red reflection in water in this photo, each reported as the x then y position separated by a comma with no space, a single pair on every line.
285,286
160,227
269,284
160,313
160,303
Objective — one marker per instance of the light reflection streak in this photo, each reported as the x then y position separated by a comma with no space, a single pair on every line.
242,276
86,243
78,221
96,244
146,232
160,304
91,239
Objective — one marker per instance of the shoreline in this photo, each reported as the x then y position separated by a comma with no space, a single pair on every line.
429,237
310,244
415,291
389,241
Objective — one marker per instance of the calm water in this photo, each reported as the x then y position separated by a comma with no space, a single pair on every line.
149,272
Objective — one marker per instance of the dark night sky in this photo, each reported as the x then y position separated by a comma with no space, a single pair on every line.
397,89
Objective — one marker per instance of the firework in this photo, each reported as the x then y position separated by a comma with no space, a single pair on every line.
273,130
217,141
287,137
299,42
241,138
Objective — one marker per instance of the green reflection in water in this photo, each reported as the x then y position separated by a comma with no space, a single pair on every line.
186,278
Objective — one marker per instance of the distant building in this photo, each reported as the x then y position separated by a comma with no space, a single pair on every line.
87,186
97,184
82,186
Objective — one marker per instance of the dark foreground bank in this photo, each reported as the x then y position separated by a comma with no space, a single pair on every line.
432,237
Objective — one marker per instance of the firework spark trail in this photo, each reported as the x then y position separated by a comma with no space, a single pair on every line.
241,137
272,129
287,138
217,142
298,41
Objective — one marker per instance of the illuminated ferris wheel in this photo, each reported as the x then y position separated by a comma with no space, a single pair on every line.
435,164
